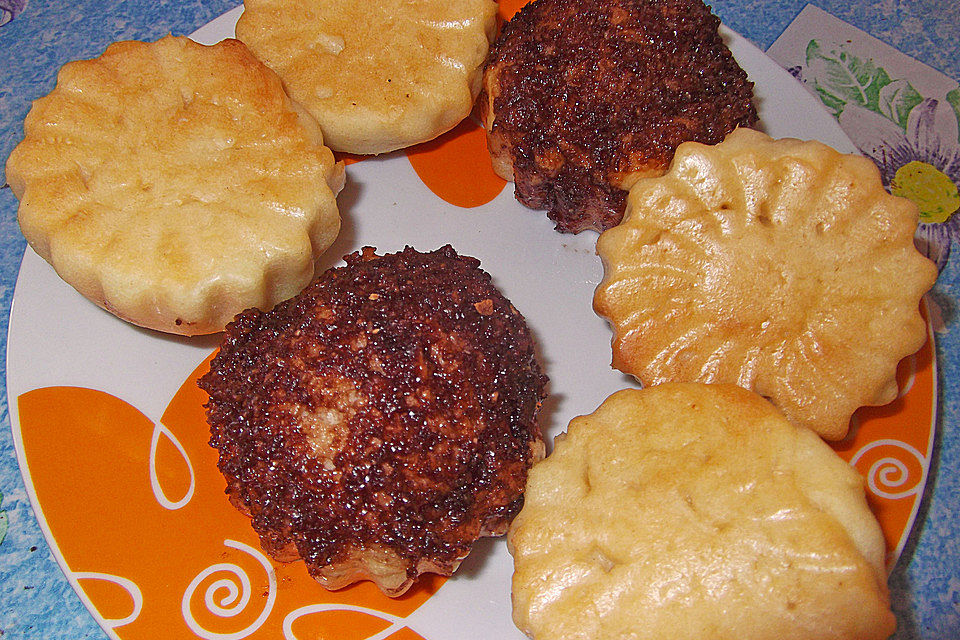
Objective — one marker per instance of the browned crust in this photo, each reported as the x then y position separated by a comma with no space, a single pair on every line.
581,97
432,380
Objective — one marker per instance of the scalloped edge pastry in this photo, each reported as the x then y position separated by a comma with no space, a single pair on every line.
779,265
175,184
378,76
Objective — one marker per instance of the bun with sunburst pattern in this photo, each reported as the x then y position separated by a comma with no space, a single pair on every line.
779,265
176,184
378,76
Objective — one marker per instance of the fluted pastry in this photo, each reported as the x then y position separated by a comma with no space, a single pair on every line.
175,184
378,76
779,265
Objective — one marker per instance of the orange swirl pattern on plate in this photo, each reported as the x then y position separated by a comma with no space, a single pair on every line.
891,446
456,166
143,525
140,520
143,529
465,147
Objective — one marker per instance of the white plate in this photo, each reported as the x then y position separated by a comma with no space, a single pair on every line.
58,338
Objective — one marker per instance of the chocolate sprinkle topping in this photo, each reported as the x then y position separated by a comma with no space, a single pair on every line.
590,90
392,405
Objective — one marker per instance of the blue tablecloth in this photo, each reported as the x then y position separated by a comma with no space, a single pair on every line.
38,37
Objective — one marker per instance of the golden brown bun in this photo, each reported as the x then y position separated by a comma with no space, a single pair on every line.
378,76
689,511
175,184
779,265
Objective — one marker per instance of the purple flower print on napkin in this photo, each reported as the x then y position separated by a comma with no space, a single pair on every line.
913,139
921,163
10,9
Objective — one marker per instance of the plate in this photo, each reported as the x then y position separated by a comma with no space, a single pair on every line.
112,443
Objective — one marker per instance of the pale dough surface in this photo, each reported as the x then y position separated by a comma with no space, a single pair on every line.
690,511
378,76
779,265
175,184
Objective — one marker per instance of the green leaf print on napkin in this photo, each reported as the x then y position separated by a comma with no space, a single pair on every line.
953,97
841,78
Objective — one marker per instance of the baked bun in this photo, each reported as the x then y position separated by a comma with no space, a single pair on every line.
380,422
779,265
378,76
175,184
581,98
690,511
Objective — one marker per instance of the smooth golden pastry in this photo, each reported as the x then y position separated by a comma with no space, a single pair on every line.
690,511
378,76
175,184
779,265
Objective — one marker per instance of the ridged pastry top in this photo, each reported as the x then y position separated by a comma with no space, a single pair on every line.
378,76
695,512
779,265
175,184
380,422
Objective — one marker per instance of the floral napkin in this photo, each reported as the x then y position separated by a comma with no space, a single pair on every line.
898,111
9,9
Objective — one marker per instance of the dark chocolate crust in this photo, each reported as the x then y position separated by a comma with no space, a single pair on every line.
586,92
390,408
